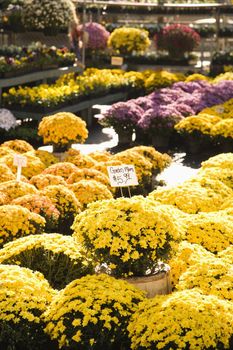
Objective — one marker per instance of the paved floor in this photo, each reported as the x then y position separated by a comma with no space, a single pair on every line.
99,139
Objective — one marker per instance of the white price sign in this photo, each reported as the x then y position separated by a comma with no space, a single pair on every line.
116,61
122,175
20,162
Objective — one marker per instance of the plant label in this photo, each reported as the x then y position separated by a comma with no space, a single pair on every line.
122,175
20,162
116,61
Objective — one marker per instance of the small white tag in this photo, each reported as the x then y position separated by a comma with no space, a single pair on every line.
116,61
20,162
219,109
122,175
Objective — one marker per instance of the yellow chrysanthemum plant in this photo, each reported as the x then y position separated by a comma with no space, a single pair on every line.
14,189
183,320
212,275
59,258
66,203
18,146
63,169
43,180
80,160
88,191
88,174
129,236
159,160
214,231
17,221
93,313
41,205
194,195
221,161
127,40
5,173
62,129
24,297
46,157
34,164
186,255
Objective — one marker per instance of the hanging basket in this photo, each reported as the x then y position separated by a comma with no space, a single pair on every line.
157,284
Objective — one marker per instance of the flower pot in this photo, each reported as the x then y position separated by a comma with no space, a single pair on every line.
226,144
157,284
60,156
195,144
60,151
124,137
160,141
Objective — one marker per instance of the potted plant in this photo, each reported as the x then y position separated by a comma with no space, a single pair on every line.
123,117
25,296
62,129
177,39
92,312
50,17
97,37
56,256
184,320
158,122
132,242
127,41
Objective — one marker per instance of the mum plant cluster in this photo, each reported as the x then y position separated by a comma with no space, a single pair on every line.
71,88
16,60
56,243
197,104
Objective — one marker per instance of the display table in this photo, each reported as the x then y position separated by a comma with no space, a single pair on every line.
37,76
73,108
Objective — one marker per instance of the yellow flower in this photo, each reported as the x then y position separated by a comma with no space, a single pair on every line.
186,255
185,319
214,231
126,40
58,257
88,191
16,221
24,297
14,189
63,128
63,169
211,275
43,180
131,234
18,146
90,305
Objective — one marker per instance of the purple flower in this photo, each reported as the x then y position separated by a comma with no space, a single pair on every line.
97,35
122,115
163,108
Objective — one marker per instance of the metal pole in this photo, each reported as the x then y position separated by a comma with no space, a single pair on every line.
83,38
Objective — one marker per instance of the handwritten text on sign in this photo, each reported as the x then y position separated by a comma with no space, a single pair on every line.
122,175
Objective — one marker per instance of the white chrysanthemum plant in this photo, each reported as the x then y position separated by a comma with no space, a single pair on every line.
7,120
48,16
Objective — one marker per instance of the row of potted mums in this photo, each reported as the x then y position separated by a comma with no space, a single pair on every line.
65,270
